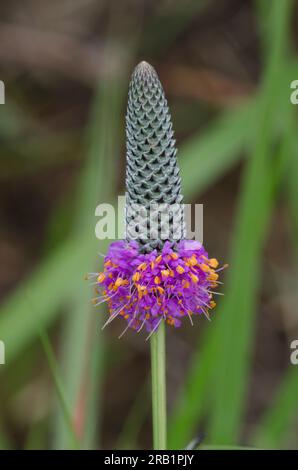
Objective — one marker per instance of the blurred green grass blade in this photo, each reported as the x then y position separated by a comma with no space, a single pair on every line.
238,309
197,392
202,160
292,195
80,335
135,418
46,289
91,438
277,422
234,352
53,366
206,157
72,370
192,399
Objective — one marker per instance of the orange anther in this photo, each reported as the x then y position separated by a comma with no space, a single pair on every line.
142,266
194,278
119,282
101,278
165,272
193,261
136,277
213,263
185,284
213,276
180,269
204,267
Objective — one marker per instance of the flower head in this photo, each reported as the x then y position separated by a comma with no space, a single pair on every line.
147,280
146,288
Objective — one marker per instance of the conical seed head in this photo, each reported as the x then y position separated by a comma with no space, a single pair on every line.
154,209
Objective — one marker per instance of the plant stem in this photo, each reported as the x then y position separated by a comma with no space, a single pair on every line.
159,402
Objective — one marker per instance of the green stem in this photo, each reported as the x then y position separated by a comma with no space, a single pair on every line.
159,402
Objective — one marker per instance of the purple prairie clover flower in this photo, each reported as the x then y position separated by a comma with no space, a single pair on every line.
146,279
146,288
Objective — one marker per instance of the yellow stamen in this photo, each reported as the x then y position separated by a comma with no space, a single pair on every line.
165,272
157,280
185,284
204,267
213,263
101,278
194,278
180,269
142,289
213,277
174,255
193,261
119,282
136,277
158,259
142,267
